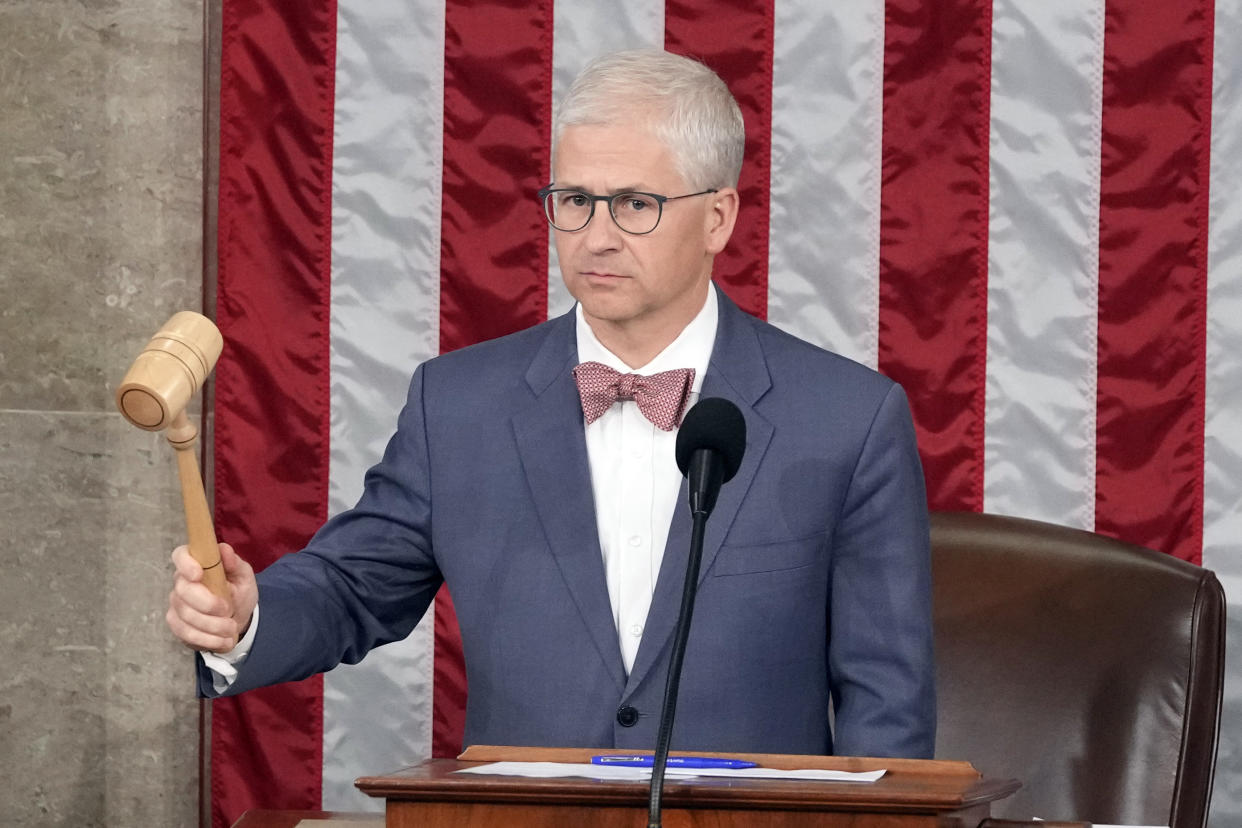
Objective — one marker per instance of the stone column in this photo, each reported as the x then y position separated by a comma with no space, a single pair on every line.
100,242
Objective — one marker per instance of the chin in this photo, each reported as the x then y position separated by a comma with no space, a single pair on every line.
597,293
608,311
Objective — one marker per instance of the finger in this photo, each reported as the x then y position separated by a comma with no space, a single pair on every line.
197,637
197,596
224,627
185,565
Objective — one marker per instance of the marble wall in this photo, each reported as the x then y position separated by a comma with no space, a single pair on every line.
100,242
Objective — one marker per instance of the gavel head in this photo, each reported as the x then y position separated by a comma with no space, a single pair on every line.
169,371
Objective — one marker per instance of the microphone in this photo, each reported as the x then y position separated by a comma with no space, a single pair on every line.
710,445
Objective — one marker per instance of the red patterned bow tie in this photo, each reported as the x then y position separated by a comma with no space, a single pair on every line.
661,397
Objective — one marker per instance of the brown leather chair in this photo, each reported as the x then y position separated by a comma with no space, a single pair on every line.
1088,669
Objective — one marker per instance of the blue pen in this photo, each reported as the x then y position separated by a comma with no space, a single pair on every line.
645,761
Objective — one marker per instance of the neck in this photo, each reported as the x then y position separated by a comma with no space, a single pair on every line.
638,341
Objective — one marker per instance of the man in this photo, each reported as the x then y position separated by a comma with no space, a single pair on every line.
556,518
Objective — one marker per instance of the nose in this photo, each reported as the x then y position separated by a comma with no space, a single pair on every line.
602,233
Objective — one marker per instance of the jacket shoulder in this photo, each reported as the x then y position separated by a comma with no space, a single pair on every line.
793,361
499,364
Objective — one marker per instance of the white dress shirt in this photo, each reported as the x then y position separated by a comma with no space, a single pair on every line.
634,475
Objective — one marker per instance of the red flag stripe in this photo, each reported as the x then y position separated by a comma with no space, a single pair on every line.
1153,274
493,249
271,452
934,233
735,39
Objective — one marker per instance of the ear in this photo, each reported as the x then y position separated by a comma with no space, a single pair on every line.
721,216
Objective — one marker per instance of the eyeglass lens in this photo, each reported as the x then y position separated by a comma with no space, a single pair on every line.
634,212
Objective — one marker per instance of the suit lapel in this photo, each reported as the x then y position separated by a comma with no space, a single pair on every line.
737,372
552,448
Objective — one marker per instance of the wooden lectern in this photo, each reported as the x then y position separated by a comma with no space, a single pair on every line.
912,794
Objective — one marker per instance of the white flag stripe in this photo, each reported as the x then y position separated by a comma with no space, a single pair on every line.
386,179
582,32
827,103
1043,260
1222,498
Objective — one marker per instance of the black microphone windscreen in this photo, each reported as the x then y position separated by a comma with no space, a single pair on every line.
716,424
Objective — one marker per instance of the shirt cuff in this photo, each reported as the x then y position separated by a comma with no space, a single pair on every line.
223,666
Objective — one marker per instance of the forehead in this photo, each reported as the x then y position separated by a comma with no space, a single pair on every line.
612,157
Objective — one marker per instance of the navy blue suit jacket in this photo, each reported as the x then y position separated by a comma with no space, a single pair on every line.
815,581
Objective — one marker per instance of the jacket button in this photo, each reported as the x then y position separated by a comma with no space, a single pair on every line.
627,716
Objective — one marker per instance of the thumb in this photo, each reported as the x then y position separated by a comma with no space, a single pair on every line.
229,557
233,563
240,576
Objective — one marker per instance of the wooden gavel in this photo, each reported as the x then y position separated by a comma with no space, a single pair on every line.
153,396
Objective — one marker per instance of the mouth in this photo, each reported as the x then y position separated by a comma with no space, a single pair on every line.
600,275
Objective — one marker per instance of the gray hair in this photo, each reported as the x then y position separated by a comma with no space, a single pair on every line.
685,104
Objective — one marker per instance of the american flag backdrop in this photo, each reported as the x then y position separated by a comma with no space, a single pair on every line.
1025,212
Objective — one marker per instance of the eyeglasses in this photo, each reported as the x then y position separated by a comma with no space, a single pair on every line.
635,213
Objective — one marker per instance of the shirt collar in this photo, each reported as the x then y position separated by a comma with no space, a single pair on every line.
691,349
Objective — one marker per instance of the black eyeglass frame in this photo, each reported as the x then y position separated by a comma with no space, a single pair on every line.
659,199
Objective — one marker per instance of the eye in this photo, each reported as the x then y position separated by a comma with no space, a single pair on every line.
635,202
573,199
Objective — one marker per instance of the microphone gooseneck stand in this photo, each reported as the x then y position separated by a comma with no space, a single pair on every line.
665,733
709,451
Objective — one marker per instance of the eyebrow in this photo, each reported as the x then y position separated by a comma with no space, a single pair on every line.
615,192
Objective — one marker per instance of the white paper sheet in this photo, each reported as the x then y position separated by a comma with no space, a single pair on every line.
550,770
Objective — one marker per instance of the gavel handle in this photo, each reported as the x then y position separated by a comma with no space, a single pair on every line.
202,535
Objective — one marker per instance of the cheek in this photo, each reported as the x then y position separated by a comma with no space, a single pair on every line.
652,262
678,258
685,242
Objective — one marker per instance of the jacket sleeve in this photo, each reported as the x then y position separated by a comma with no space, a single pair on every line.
880,625
363,580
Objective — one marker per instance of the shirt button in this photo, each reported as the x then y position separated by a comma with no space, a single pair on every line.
627,716
636,630
635,540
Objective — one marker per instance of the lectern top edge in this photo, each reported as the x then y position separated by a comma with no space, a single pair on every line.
782,761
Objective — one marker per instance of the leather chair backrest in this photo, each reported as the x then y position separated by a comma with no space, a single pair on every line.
1089,669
